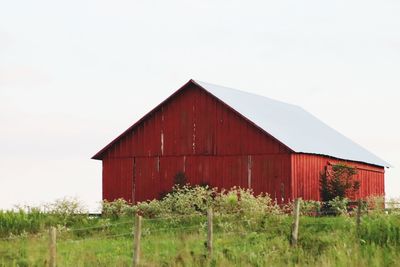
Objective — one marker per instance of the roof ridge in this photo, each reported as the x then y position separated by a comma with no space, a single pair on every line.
198,82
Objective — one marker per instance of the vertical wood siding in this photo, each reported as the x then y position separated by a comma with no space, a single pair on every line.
154,176
271,174
194,123
117,179
306,171
196,134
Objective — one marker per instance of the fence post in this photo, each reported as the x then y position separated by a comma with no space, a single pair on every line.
52,247
136,239
359,214
210,232
296,218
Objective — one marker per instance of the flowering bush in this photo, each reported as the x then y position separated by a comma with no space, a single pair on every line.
243,201
117,209
339,205
66,211
188,200
196,200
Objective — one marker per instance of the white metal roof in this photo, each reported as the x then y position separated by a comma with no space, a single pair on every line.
292,125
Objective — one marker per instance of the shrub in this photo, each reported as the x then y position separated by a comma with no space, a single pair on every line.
66,211
310,207
338,182
244,202
196,200
338,205
375,203
116,209
188,200
150,209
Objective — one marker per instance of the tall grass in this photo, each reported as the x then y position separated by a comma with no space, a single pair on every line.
323,241
249,231
30,220
18,222
380,229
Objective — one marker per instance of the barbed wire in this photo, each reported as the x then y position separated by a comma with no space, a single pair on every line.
199,227
175,217
218,218
22,236
313,224
96,238
13,237
98,226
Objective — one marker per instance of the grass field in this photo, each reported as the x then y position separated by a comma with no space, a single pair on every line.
238,241
248,231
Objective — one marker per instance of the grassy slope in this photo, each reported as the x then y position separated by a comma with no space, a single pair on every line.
329,241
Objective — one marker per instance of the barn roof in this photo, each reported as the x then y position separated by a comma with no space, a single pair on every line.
292,125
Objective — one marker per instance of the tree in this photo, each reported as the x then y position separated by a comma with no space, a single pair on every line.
338,182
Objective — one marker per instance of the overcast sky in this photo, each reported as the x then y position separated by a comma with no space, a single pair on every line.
75,74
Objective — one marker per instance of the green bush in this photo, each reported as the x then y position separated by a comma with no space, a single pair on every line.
66,211
195,200
310,207
188,200
117,209
244,202
338,205
150,209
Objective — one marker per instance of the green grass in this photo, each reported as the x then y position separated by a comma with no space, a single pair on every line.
238,241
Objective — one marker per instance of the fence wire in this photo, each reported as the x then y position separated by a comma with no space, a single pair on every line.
106,225
97,238
241,226
225,226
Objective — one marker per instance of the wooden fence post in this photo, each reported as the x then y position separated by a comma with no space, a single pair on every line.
136,240
52,247
296,218
359,214
210,232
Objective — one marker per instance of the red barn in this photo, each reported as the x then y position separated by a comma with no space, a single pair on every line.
225,137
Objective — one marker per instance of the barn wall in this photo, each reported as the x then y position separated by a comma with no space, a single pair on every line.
118,179
194,123
306,170
154,176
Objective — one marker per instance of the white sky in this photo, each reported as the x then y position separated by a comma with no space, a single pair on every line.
75,74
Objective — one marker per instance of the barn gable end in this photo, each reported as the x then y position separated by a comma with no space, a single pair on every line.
193,122
197,134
